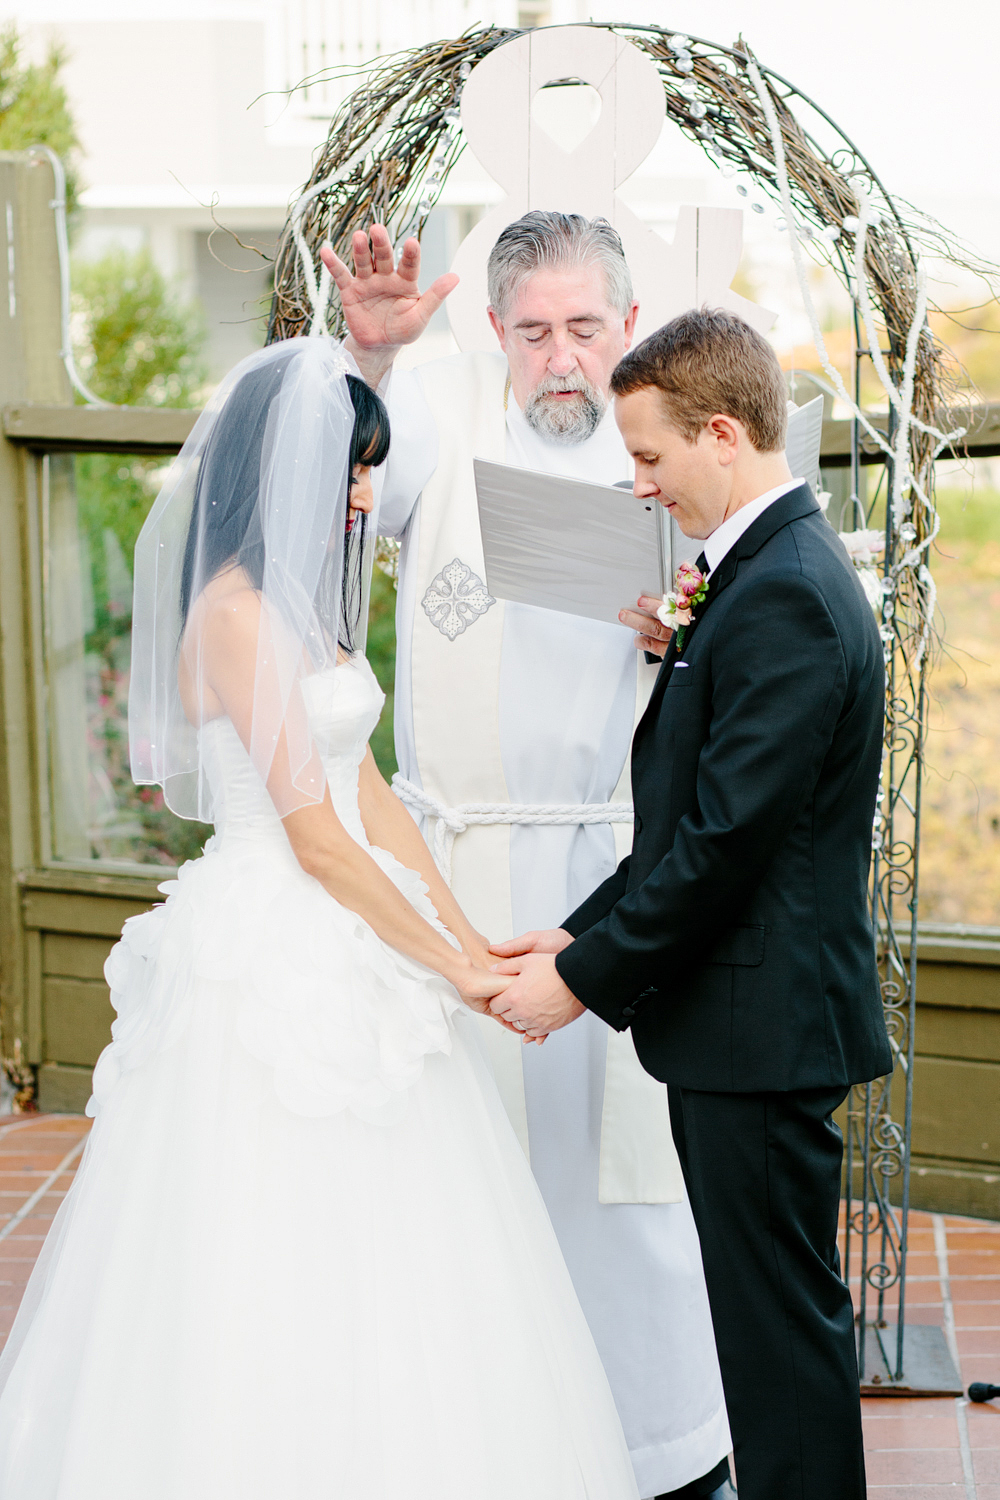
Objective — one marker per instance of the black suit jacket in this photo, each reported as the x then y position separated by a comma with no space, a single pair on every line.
736,939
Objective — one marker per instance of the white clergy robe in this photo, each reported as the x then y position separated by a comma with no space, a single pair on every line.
530,706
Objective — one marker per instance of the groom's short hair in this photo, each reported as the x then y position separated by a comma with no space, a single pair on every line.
707,361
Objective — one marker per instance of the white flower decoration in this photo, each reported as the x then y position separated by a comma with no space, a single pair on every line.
863,546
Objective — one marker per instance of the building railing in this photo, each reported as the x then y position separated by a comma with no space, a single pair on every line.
70,911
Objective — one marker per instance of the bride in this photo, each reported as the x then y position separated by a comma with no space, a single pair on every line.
303,1255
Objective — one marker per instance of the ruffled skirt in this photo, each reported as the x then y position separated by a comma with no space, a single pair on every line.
303,1255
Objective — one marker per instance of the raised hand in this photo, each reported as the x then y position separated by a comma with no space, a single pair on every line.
383,307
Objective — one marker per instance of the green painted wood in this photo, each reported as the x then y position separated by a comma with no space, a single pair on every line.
957,943
74,957
96,915
944,1031
77,1020
33,1009
952,1187
63,1090
942,1186
956,1110
959,987
90,429
31,370
96,880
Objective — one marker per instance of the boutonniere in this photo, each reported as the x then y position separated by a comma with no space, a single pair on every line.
677,609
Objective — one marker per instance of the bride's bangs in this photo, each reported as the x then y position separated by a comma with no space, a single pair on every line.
371,436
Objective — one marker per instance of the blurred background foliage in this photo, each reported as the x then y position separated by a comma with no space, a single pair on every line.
381,652
137,343
960,859
970,336
34,109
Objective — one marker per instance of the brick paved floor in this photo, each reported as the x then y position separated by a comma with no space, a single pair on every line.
931,1449
916,1449
33,1149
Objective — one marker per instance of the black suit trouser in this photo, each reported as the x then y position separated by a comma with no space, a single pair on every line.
763,1175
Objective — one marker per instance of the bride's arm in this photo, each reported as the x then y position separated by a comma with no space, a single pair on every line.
325,850
389,826
229,638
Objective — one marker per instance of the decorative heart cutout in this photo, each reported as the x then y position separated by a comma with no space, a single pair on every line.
567,113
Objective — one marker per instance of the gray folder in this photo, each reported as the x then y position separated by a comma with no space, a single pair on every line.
564,544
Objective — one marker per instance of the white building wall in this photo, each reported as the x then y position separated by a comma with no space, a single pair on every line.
184,110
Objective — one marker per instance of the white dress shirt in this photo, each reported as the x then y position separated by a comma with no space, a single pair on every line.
725,537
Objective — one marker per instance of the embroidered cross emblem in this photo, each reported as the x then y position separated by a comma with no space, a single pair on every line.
455,599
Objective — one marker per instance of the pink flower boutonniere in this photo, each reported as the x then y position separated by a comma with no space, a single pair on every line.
677,609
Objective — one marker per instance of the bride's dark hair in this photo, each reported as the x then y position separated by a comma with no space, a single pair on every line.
225,519
369,445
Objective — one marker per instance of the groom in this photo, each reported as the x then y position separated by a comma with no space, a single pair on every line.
735,940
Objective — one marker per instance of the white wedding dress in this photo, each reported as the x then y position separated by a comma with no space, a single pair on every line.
303,1256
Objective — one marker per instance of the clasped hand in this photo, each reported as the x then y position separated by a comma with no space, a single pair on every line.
479,983
537,1000
524,991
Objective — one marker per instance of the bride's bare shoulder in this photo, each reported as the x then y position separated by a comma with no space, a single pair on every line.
226,613
219,646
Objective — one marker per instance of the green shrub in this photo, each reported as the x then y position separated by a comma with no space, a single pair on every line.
34,110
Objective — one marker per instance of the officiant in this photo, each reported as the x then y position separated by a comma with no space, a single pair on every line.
528,710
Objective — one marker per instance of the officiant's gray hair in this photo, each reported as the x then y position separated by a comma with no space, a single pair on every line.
546,239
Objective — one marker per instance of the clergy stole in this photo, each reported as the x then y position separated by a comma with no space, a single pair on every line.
456,730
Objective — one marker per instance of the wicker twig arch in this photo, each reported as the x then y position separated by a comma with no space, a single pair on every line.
387,156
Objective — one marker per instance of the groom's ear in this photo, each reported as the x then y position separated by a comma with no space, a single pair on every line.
727,435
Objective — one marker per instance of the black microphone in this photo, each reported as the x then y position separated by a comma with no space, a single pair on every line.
981,1391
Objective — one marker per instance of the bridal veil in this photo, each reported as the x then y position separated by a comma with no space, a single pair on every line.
261,486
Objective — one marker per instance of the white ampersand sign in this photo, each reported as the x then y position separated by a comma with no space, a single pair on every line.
512,145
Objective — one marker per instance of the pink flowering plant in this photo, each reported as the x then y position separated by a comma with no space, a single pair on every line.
677,610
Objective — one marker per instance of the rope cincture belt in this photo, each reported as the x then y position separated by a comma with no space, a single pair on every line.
451,821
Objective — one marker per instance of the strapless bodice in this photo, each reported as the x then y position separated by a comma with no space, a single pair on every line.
343,706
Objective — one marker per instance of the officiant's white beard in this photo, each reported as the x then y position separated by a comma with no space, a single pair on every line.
565,421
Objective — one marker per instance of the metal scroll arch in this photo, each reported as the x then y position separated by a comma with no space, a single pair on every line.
388,155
